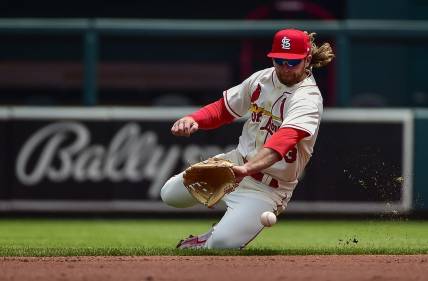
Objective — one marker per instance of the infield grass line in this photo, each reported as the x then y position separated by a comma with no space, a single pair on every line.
103,237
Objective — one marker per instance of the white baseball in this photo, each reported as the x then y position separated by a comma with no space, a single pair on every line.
268,219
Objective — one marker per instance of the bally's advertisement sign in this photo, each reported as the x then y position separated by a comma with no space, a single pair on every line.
115,160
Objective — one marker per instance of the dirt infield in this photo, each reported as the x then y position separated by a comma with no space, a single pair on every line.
207,268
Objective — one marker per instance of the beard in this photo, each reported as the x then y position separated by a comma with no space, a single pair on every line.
290,78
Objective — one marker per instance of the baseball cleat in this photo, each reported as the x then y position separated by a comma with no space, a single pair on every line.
195,242
191,242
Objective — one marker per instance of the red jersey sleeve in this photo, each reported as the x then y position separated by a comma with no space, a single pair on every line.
285,139
213,115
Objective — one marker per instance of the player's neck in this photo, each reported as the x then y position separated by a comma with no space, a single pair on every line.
303,76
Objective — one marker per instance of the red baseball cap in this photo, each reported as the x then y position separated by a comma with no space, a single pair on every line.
290,44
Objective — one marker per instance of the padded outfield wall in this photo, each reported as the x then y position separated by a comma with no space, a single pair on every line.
117,159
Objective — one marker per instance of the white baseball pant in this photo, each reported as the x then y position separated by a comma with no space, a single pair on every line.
241,222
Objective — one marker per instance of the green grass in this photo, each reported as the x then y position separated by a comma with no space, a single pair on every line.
46,237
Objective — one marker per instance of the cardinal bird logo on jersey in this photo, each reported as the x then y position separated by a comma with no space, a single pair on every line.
256,94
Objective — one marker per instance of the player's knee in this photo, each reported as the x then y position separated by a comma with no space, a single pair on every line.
174,194
167,193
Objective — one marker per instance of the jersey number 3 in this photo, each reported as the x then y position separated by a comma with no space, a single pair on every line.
291,155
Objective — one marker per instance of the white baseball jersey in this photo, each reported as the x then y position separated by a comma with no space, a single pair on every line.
273,105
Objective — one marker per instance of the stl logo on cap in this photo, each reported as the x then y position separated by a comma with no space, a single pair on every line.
290,44
285,43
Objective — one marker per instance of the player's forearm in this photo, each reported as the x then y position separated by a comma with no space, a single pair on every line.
265,158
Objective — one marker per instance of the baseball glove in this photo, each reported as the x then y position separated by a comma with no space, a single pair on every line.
208,181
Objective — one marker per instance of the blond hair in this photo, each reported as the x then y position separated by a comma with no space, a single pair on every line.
322,55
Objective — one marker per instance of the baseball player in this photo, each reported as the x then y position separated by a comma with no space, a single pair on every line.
285,108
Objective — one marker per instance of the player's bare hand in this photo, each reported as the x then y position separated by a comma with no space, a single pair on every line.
240,172
184,127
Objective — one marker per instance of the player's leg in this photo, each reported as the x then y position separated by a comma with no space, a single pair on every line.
175,194
238,226
241,222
